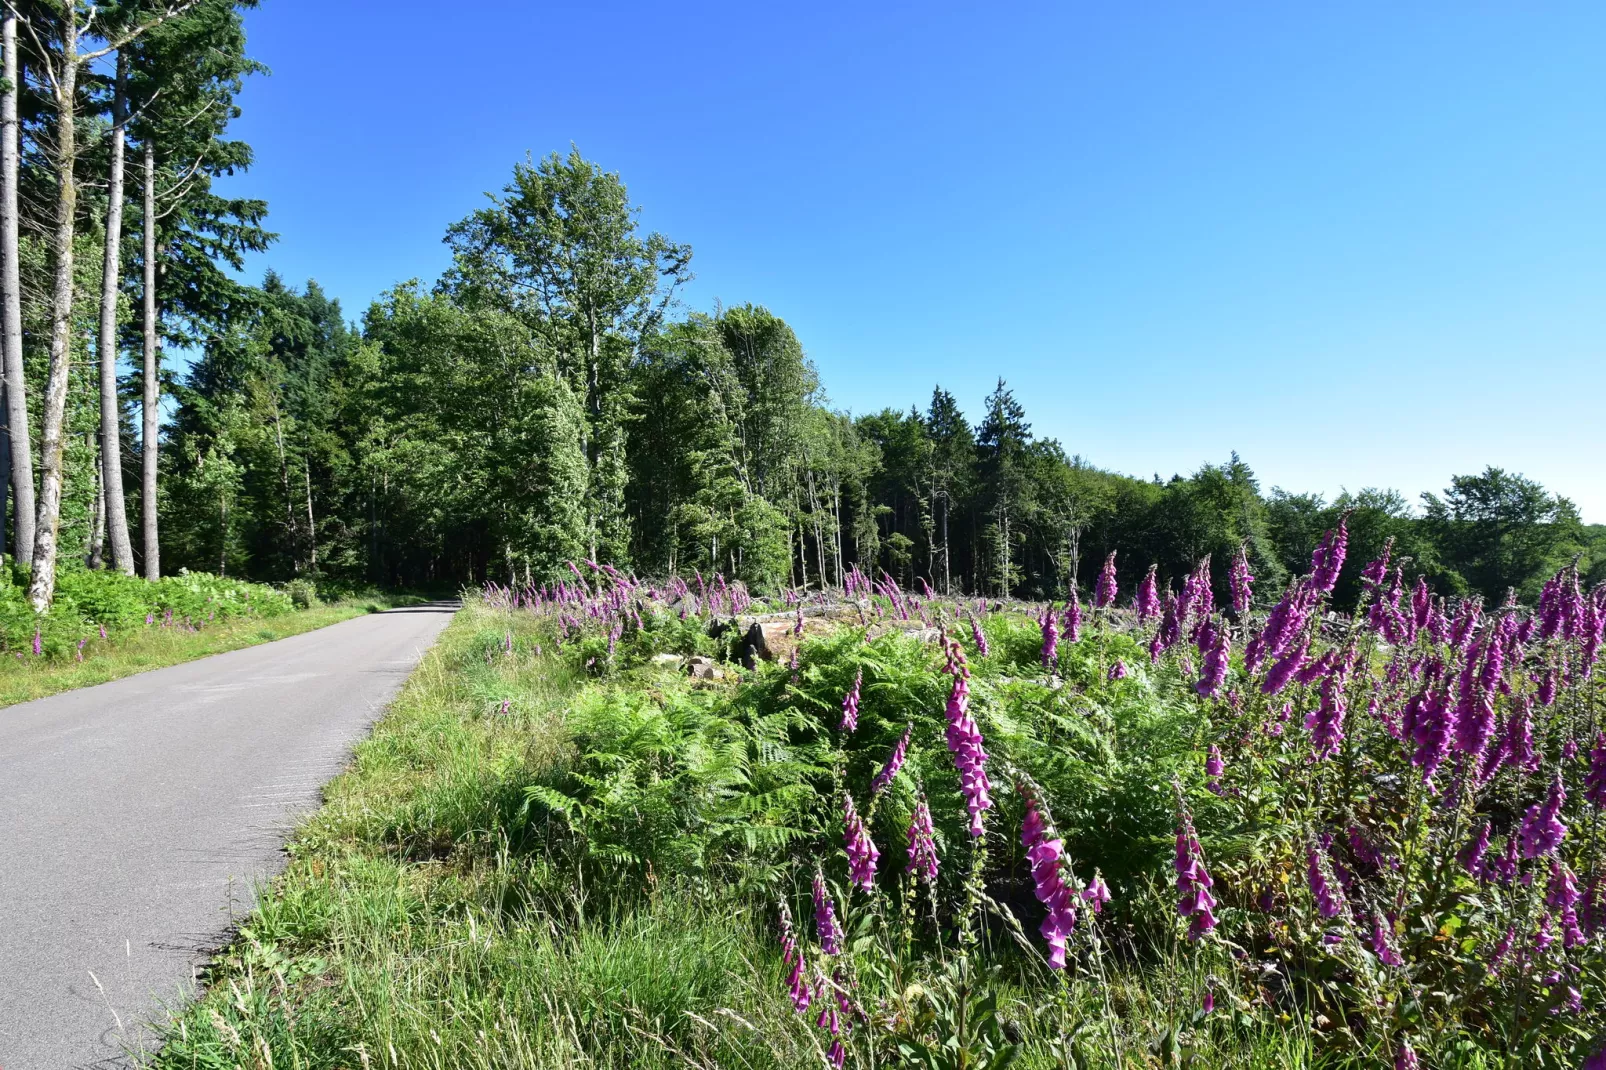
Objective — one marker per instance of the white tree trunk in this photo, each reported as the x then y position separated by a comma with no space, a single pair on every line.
42,584
11,298
151,404
111,410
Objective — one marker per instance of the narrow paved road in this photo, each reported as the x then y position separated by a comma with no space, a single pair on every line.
137,817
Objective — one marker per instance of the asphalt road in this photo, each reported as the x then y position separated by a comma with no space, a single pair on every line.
137,818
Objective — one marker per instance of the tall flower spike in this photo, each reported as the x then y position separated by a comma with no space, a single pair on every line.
1214,671
850,705
1241,580
797,981
1048,882
1595,779
1104,593
1193,880
894,762
1542,827
861,849
1147,602
1329,899
1051,637
1071,620
825,926
922,845
1326,722
965,743
1328,560
979,636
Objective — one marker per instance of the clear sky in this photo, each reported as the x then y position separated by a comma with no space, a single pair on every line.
1361,244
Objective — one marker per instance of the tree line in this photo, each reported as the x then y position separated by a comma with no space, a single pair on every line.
113,243
549,398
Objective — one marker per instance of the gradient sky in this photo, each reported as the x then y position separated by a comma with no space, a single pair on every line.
1361,244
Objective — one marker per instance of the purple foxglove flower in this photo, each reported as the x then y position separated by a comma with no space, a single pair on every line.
1043,852
1326,722
1382,942
861,849
1208,1004
1329,900
837,1054
38,647
1595,779
1198,600
1283,671
1406,1057
1214,767
1147,603
883,779
1097,893
1497,958
1563,897
922,845
1542,827
1519,749
1051,637
1193,880
825,926
797,981
1118,670
1313,671
1214,671
1471,856
797,628
1421,602
1328,560
965,743
850,705
1241,581
1466,621
1432,732
979,636
1104,592
1204,635
1377,570
1071,620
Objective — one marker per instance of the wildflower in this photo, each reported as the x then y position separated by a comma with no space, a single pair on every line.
1280,673
861,849
1097,893
1497,958
37,646
1519,744
1048,882
797,628
1328,559
850,705
1214,670
1118,670
1329,900
1471,856
1071,620
922,845
1421,602
1214,767
1197,599
1051,637
792,957
1595,779
883,779
1147,602
1104,592
1193,880
1241,581
1542,828
979,636
1406,1058
1326,722
1563,897
1378,569
965,743
1208,1003
1382,942
825,926
1285,621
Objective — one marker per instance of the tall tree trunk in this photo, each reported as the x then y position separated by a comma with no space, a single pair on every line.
151,403
111,410
11,297
42,584
5,468
312,526
96,546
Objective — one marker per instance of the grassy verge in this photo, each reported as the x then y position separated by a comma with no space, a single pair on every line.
421,924
140,650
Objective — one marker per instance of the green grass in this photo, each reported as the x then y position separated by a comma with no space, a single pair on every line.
410,931
142,649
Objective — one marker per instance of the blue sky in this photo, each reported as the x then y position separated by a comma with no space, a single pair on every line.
1362,245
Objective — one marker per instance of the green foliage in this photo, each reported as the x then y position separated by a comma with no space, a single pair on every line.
89,600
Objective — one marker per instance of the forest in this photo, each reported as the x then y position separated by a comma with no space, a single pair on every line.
549,398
